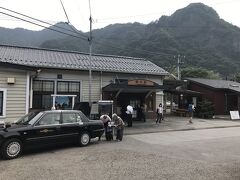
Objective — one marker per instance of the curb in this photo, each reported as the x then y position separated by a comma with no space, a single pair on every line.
184,129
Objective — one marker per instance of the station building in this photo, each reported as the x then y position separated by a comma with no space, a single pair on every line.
32,78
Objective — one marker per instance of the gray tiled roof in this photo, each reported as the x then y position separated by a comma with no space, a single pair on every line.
218,84
44,58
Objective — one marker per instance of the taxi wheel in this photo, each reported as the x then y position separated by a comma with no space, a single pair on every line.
11,149
84,139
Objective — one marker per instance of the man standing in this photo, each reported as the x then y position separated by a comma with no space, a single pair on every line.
190,111
129,115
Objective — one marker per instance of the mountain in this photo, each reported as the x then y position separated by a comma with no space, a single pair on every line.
195,32
24,37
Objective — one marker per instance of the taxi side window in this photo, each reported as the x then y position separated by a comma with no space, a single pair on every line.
70,118
49,119
83,117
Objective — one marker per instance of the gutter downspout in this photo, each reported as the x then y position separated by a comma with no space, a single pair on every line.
27,93
226,104
101,81
101,85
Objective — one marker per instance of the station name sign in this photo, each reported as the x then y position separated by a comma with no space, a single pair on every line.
140,82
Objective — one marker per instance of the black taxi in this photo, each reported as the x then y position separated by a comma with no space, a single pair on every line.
46,128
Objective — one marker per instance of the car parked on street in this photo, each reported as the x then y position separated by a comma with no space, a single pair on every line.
38,129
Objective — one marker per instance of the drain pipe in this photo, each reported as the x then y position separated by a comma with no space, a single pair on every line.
101,81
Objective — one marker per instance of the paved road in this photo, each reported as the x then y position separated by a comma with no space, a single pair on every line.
197,154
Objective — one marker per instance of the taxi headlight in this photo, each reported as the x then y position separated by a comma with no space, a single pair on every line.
2,124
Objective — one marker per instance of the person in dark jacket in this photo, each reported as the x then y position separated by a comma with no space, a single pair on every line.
191,108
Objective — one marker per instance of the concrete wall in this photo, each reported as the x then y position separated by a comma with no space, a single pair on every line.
16,97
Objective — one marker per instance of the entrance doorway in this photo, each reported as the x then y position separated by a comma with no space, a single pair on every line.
139,93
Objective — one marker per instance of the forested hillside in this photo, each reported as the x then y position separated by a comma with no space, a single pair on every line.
195,32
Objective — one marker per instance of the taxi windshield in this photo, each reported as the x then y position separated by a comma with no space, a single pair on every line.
29,118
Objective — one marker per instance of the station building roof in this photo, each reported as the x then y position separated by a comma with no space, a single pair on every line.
71,60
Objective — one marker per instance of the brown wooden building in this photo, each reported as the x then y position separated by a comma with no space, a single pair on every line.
225,95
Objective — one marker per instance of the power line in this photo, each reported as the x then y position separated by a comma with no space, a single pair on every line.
42,26
70,25
148,14
84,38
35,19
140,51
127,17
64,11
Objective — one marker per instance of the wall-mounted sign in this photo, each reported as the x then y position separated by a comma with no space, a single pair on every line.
140,82
234,115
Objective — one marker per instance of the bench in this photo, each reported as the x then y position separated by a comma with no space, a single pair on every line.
180,112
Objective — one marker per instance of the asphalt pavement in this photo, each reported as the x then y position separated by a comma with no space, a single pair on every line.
211,154
176,123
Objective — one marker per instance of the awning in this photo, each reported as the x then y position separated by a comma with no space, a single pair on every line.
137,86
183,91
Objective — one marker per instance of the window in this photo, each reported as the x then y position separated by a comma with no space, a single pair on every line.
49,119
42,91
69,88
83,117
70,118
3,94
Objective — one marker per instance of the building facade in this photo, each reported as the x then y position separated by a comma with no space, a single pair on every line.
13,93
33,78
225,95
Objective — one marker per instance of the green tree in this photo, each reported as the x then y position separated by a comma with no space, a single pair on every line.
192,72
205,109
235,77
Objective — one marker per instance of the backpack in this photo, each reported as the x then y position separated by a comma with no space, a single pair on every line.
190,107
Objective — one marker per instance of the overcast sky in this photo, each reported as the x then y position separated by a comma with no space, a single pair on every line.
105,12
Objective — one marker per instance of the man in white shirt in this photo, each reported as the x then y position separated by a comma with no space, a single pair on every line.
129,115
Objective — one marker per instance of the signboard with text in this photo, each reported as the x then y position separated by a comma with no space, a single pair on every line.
234,115
140,82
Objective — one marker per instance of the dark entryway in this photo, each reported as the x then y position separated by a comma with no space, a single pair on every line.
141,94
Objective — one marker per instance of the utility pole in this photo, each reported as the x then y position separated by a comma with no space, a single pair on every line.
179,62
90,57
178,67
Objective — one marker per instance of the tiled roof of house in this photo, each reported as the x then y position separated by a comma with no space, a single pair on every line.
43,58
218,84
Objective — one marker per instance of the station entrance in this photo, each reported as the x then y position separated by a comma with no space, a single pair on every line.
141,94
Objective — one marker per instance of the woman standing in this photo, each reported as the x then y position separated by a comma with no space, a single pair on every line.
159,113
119,125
